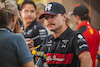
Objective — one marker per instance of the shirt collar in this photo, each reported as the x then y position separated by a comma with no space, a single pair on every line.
31,25
6,29
65,33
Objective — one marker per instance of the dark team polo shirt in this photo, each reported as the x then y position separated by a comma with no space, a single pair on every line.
33,30
92,37
64,50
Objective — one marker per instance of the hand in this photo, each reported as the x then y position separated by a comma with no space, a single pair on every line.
29,42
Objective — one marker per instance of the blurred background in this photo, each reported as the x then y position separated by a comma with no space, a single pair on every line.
93,6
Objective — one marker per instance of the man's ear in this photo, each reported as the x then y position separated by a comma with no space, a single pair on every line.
65,16
78,17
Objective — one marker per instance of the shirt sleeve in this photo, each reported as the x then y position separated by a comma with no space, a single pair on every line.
22,50
80,44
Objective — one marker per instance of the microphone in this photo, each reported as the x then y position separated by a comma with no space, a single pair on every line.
35,51
44,48
41,55
39,62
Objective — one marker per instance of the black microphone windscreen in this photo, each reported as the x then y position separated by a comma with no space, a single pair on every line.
44,48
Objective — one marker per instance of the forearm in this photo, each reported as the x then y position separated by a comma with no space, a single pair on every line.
97,63
85,59
86,63
29,64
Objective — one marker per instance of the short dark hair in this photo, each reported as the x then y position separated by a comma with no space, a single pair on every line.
85,17
28,2
82,11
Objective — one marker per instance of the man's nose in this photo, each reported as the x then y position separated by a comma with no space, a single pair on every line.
49,20
29,13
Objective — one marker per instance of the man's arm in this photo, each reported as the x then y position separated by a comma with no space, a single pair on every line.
98,59
29,64
97,63
85,59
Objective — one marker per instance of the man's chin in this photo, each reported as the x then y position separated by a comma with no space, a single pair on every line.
29,21
51,30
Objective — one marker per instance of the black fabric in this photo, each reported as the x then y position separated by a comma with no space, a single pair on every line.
34,30
53,8
72,41
82,29
80,10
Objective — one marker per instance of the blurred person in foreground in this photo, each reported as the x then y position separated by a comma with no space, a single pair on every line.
82,19
14,51
31,27
66,48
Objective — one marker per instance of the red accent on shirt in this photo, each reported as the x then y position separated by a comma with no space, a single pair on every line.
55,58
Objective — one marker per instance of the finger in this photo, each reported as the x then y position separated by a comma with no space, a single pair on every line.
27,39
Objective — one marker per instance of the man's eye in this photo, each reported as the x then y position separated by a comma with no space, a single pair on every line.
26,11
32,11
46,18
52,16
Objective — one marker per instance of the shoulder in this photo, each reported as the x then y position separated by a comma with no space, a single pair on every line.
77,37
15,36
82,29
39,25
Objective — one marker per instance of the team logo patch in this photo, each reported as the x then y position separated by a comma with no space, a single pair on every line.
64,43
48,7
91,31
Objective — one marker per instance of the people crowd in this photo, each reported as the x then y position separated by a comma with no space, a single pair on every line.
24,27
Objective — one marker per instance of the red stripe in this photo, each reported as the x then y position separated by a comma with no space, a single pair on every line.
55,58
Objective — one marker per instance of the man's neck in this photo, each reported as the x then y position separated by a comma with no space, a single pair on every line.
11,26
26,25
80,21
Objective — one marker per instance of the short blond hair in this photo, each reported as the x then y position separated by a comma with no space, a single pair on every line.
9,6
40,6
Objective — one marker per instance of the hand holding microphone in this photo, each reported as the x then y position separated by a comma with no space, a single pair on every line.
41,56
29,42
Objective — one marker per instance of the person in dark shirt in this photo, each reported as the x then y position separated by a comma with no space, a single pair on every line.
14,51
31,27
66,48
82,19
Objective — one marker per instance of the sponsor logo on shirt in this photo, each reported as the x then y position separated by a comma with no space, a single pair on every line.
29,31
49,58
81,40
56,58
80,36
84,45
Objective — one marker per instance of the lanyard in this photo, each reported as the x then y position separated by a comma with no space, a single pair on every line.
4,29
